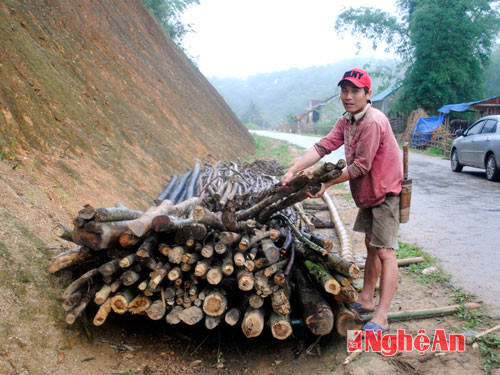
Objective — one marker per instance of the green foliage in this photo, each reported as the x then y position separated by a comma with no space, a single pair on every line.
410,251
473,318
446,45
268,148
168,13
489,346
252,114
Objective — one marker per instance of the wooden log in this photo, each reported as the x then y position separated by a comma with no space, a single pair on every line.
232,316
79,222
109,268
347,294
103,312
78,309
180,188
425,313
116,214
227,263
215,303
166,223
244,242
281,328
148,247
139,305
70,302
310,226
165,193
214,274
252,254
158,276
208,250
173,317
322,277
75,256
115,285
212,321
102,295
271,252
245,280
156,310
127,261
273,268
63,232
202,267
128,239
346,319
199,231
253,322
191,187
204,216
130,277
140,226
229,237
280,299
98,236
80,282
262,284
175,255
220,248
87,212
342,280
316,312
238,259
174,274
255,301
331,261
316,206
191,315
408,261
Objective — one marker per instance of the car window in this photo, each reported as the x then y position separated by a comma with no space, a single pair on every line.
489,127
475,128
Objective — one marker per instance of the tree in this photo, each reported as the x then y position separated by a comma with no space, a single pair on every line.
446,46
168,13
252,114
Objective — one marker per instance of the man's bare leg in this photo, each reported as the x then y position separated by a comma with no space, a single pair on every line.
372,271
388,285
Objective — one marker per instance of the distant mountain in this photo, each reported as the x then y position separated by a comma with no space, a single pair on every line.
289,91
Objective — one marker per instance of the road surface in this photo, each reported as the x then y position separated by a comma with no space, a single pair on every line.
454,216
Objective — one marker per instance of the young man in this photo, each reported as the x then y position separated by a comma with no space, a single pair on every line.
375,172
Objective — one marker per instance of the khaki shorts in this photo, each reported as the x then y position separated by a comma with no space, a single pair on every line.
382,222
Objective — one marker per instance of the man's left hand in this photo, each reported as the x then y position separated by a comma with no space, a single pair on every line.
320,192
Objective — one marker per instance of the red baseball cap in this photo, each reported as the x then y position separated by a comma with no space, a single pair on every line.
358,77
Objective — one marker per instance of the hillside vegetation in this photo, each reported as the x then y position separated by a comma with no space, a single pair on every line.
279,94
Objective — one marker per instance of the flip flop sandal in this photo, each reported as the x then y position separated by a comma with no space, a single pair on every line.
357,306
372,326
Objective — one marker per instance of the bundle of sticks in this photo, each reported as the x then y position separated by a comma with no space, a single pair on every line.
222,244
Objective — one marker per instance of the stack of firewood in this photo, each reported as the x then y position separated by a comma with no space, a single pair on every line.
222,244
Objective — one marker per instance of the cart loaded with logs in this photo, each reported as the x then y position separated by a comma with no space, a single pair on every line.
223,244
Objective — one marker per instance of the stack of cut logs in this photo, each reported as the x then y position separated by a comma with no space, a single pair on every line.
222,245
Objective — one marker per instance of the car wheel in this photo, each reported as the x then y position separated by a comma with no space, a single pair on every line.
492,172
455,165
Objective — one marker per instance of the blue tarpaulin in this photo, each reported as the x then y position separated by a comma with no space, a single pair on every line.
461,107
422,133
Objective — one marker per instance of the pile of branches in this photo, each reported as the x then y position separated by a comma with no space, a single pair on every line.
221,244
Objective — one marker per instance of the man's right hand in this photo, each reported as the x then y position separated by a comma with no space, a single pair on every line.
286,178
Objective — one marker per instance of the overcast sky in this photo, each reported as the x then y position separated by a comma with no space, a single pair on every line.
238,38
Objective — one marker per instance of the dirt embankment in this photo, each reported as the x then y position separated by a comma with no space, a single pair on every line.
95,90
96,106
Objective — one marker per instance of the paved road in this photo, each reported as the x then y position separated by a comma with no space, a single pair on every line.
454,216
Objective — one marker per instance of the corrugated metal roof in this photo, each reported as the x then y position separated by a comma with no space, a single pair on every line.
384,94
